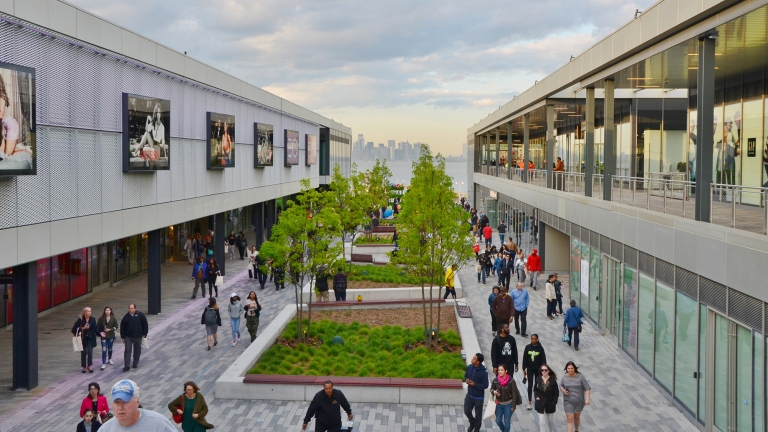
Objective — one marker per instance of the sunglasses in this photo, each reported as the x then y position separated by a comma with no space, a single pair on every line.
545,370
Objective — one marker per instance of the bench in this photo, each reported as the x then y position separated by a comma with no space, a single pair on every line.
366,258
383,229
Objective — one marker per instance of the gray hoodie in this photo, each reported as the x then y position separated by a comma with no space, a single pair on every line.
235,309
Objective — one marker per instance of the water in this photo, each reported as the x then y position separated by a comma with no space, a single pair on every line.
402,172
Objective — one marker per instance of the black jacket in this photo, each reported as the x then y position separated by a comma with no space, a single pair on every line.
134,326
502,229
95,425
506,266
507,392
504,351
546,397
322,283
534,357
327,409
86,334
339,282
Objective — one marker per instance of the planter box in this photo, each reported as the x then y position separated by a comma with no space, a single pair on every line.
412,293
234,383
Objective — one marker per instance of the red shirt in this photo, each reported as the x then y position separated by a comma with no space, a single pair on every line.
487,232
534,262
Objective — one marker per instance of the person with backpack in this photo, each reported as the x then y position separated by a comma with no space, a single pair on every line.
235,309
199,273
212,321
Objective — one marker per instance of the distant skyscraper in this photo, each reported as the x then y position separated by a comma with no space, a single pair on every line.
391,149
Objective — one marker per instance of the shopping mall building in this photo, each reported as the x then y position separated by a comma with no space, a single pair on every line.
650,167
115,148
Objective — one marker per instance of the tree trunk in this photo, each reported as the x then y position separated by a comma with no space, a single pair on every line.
424,308
309,312
298,309
431,318
439,296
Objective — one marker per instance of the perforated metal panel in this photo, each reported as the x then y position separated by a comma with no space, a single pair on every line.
190,173
745,309
617,250
86,89
594,239
88,173
8,210
665,272
605,245
63,173
713,294
646,264
630,256
568,228
111,172
687,282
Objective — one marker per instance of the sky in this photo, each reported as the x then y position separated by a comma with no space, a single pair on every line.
423,71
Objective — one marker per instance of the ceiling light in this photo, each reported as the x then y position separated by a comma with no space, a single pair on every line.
639,78
560,109
647,86
574,115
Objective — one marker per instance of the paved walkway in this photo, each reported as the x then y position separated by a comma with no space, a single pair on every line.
622,399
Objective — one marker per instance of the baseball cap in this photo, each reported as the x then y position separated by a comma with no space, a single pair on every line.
233,295
125,390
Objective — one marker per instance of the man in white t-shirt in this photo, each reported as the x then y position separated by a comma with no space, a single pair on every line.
128,415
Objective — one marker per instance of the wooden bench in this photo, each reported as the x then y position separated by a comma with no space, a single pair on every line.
383,229
366,258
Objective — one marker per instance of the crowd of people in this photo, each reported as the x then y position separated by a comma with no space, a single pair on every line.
508,307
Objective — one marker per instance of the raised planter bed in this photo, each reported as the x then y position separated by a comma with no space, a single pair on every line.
379,294
234,383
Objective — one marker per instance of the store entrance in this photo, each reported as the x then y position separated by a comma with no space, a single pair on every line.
613,299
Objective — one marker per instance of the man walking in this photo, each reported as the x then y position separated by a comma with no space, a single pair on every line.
189,246
199,272
550,296
504,350
487,234
503,308
502,229
521,301
449,282
506,268
476,377
133,328
128,414
558,294
533,357
340,286
534,267
325,407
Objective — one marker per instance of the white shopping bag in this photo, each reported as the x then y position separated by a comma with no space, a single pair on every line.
144,343
77,342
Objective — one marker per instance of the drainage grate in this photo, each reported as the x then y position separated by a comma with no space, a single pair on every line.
464,311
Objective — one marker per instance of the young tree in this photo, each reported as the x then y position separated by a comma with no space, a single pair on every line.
431,235
304,243
348,196
376,183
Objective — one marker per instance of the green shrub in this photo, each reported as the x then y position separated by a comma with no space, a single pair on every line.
387,274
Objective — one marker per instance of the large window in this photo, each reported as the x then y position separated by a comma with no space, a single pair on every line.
645,330
629,339
686,340
575,267
594,284
722,370
664,340
744,379
702,362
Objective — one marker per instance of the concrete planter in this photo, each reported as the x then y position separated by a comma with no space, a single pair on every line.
413,293
231,384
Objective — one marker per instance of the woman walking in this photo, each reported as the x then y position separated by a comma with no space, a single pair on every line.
575,390
85,327
213,272
231,244
546,393
252,264
252,312
507,397
107,326
95,402
572,322
235,308
89,423
212,321
491,297
192,407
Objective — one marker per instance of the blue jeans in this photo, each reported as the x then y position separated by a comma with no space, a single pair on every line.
235,322
504,417
501,238
482,271
106,348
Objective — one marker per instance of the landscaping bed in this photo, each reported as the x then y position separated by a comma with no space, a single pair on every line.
388,274
377,343
378,239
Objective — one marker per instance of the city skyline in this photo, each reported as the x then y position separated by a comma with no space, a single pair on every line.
395,69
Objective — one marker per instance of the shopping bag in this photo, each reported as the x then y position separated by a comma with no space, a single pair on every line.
490,409
226,248
219,281
77,342
144,343
565,336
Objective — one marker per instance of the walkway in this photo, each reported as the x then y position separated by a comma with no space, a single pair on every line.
622,399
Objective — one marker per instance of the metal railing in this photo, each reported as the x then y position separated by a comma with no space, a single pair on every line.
568,181
741,207
657,194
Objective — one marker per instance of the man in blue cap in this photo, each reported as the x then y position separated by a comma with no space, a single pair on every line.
128,415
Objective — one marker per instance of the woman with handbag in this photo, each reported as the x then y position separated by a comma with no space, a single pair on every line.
546,393
107,326
572,322
507,397
85,328
94,402
252,312
190,409
213,272
89,423
252,264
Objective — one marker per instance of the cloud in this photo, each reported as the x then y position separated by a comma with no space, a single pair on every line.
345,56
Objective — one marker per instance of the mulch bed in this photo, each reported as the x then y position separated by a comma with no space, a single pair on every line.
406,318
362,284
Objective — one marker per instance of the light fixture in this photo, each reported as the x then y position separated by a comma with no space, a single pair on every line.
574,115
639,79
647,86
560,109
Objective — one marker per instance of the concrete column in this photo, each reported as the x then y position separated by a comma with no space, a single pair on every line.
509,150
609,141
498,151
25,338
550,145
526,146
488,151
154,261
269,207
705,106
258,222
589,150
219,237
542,242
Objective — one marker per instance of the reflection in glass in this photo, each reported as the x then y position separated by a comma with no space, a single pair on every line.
629,339
664,337
759,383
645,326
702,362
686,333
595,263
575,266
722,367
43,284
744,379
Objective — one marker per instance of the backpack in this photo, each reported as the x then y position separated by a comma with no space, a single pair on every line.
210,316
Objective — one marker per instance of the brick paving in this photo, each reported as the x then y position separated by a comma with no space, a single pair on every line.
623,399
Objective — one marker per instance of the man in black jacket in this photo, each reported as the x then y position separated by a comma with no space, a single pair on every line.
340,285
133,328
504,350
506,269
325,407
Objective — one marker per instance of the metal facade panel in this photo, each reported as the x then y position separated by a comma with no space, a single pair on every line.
148,190
191,171
164,185
630,256
88,172
61,59
132,191
646,264
617,250
605,245
177,173
713,294
63,173
687,282
9,209
34,192
111,172
198,148
85,80
665,272
110,95
745,309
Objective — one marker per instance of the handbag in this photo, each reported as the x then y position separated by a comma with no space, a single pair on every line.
144,343
77,342
566,338
226,248
490,409
219,280
179,417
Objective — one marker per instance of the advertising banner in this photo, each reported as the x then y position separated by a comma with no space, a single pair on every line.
264,141
311,141
221,141
146,133
291,147
18,146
